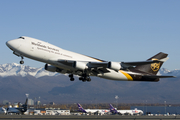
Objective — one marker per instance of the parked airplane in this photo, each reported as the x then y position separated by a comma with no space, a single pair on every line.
92,111
18,110
63,61
125,112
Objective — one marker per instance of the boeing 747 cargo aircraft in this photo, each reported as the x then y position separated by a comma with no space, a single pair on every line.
92,111
125,112
63,61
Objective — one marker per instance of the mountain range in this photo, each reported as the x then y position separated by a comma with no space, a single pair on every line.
17,80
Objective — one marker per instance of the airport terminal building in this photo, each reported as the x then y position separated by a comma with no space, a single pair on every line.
47,111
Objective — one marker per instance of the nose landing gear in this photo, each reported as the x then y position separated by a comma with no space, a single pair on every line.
22,62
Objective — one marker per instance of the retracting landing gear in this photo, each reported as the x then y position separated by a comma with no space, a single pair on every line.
71,77
85,78
22,62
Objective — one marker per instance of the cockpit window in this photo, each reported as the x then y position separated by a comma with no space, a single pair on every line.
22,37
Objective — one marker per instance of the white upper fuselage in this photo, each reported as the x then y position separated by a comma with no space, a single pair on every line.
102,111
44,52
131,112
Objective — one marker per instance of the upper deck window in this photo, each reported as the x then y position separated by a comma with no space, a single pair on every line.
22,37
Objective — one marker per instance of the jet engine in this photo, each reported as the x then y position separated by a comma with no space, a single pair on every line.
114,66
50,68
80,65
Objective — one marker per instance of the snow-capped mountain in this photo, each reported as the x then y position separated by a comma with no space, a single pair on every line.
61,90
164,71
14,69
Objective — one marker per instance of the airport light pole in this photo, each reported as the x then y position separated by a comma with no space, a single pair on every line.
116,97
146,107
165,106
39,101
27,95
143,106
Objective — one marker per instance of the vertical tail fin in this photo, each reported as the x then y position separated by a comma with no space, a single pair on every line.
4,110
154,67
25,105
112,109
81,108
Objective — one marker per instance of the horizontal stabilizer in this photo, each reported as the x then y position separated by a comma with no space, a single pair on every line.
158,76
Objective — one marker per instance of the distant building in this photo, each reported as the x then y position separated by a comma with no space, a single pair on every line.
38,102
47,111
30,102
52,103
6,102
57,112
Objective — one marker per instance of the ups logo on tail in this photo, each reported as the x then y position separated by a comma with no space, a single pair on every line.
155,66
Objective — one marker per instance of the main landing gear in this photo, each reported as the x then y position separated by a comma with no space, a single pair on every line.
71,77
22,62
84,78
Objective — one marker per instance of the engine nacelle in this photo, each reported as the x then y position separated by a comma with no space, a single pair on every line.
114,65
50,68
80,65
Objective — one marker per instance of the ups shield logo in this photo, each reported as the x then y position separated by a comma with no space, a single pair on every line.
155,66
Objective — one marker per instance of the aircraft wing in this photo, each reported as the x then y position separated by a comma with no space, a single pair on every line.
66,62
87,63
104,65
123,64
90,64
95,67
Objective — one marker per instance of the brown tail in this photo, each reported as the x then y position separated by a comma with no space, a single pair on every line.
154,67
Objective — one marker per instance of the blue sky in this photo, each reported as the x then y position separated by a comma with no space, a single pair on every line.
112,30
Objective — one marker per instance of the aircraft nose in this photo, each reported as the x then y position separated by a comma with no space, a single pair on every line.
13,44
